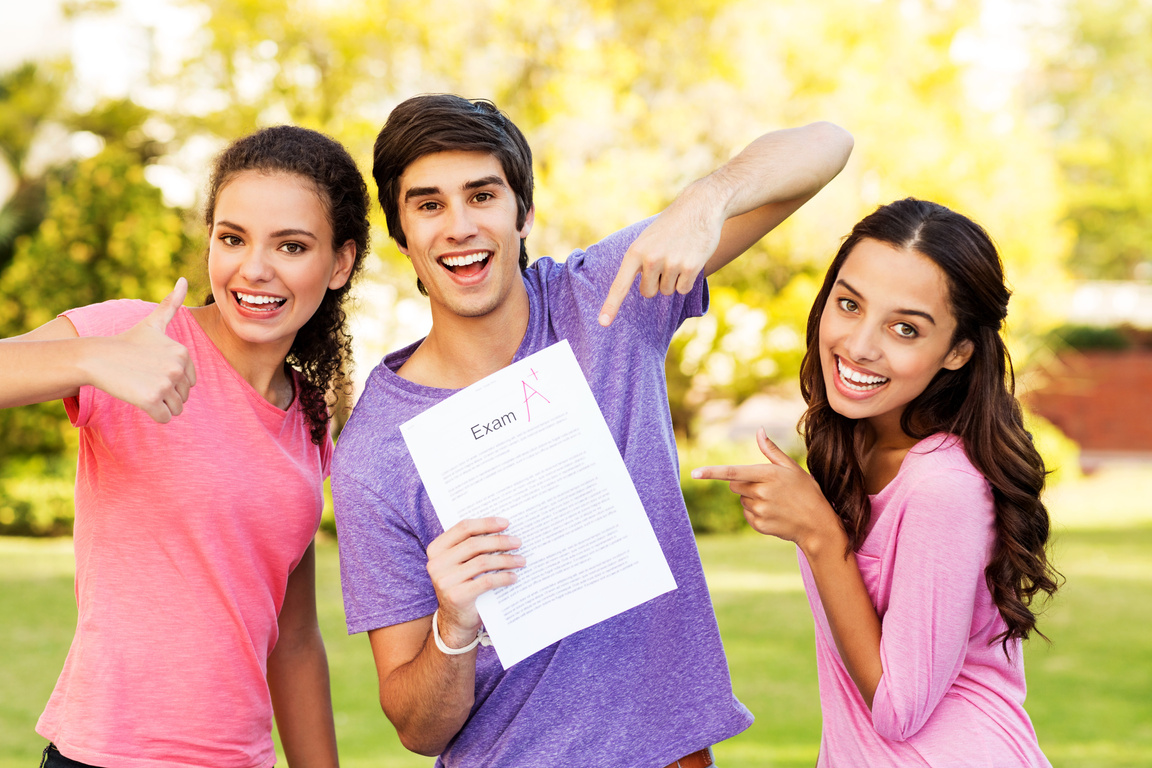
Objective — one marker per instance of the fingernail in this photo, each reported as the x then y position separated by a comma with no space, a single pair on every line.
605,320
697,474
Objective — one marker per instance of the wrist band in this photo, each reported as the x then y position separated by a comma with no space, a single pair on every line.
481,639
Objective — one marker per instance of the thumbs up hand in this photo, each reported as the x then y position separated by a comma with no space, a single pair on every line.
146,368
779,498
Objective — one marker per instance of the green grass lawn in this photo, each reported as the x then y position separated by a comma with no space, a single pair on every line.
1090,692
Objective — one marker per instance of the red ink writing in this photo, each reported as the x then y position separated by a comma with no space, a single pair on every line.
530,393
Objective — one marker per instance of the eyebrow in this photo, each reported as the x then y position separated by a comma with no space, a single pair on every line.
278,233
293,233
486,181
915,312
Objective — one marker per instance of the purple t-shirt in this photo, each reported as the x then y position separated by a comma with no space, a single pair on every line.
640,689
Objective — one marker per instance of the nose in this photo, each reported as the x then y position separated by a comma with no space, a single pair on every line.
256,266
461,223
861,343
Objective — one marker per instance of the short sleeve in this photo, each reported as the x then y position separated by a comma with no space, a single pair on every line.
653,320
943,544
105,319
383,564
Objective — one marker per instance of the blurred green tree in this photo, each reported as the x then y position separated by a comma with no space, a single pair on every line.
84,230
624,103
1098,78
77,230
30,96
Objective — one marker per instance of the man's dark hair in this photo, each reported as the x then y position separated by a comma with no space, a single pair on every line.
424,125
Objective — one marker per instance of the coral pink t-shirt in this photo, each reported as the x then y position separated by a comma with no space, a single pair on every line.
185,536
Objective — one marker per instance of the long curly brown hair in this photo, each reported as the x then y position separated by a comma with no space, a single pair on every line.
975,402
322,350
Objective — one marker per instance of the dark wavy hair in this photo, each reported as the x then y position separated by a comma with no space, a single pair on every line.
975,402
440,122
322,350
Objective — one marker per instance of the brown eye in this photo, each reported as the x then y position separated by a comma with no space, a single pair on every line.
905,331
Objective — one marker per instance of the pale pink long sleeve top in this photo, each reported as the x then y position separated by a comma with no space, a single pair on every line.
948,696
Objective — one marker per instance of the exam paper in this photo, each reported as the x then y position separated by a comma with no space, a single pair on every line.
529,444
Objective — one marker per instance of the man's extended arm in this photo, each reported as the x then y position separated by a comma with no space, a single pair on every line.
720,216
426,693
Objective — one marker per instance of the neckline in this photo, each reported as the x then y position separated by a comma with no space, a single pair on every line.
395,359
249,390
943,439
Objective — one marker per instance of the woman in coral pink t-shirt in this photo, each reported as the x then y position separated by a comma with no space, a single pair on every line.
921,534
204,445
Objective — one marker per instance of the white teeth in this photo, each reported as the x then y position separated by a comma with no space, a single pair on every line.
249,298
855,377
462,261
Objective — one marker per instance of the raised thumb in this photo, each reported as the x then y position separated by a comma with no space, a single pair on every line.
166,309
770,450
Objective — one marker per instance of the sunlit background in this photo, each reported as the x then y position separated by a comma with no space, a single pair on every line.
1031,116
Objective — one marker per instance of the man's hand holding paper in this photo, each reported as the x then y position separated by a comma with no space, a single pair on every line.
465,561
530,444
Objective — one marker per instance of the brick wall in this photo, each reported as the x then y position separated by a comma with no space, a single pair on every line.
1100,399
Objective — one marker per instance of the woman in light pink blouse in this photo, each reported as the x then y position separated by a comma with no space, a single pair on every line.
921,534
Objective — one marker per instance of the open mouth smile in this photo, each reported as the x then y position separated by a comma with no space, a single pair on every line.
858,381
257,303
467,264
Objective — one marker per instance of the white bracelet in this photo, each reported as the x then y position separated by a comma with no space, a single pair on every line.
481,639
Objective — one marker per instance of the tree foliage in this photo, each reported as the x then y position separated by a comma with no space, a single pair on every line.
76,230
1098,79
106,234
624,103
30,96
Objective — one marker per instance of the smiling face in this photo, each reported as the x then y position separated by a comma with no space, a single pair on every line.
885,332
270,258
459,215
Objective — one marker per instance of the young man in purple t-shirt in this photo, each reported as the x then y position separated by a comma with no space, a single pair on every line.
647,687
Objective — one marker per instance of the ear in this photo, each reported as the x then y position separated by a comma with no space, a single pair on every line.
960,355
529,219
345,260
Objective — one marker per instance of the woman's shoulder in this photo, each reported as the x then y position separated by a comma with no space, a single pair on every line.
108,317
941,452
939,492
939,465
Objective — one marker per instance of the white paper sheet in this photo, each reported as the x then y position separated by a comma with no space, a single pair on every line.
529,444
